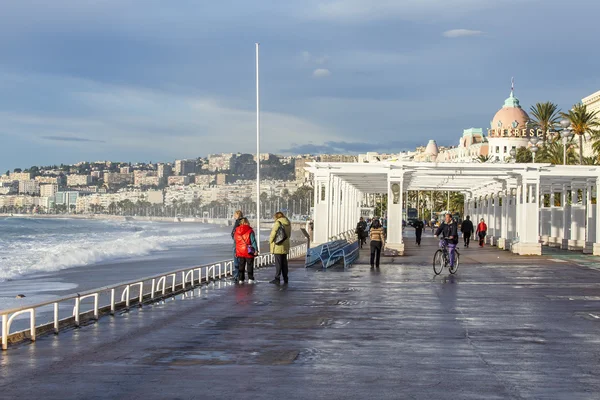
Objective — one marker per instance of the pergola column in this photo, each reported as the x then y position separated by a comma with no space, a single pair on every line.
554,220
321,204
566,228
497,218
578,220
528,218
503,241
596,247
590,221
489,220
395,199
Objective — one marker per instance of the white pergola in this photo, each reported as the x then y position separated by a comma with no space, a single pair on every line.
510,197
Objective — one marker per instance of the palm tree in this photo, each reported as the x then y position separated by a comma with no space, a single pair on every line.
553,152
545,117
483,159
590,160
523,155
582,122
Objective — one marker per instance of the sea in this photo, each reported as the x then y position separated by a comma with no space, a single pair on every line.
44,258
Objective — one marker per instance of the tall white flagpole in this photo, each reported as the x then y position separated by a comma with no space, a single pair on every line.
257,154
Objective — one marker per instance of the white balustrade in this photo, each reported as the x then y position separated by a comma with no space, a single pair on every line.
158,283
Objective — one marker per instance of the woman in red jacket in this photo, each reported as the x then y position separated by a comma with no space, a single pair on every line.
481,232
245,250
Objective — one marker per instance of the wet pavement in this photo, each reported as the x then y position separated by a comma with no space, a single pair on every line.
503,327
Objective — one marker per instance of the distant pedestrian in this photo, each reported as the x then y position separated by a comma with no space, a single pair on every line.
467,230
237,216
280,250
361,231
246,249
481,232
418,224
377,243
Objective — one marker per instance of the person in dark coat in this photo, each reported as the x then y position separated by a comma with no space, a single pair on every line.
467,230
418,224
449,231
361,231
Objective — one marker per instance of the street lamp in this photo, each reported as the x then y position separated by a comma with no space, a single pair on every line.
534,148
566,134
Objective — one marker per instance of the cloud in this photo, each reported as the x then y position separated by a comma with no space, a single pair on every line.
321,73
143,123
71,139
456,33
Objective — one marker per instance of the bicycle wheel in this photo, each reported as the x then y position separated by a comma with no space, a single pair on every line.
438,262
456,262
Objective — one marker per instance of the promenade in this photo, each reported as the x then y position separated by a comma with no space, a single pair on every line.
505,327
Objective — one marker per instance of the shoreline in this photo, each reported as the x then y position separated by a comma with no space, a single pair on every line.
214,221
265,224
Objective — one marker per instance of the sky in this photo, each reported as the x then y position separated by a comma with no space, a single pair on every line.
151,80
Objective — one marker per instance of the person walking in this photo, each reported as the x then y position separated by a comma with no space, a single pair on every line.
481,232
361,231
237,216
418,224
377,243
280,250
449,231
467,230
246,249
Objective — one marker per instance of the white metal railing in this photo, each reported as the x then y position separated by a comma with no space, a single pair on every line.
188,278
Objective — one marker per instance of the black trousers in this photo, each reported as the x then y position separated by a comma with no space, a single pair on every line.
482,238
418,233
246,264
375,252
467,237
281,267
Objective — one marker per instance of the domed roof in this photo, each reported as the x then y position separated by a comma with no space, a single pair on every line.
511,116
432,148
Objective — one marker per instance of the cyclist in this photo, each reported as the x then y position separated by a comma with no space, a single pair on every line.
449,231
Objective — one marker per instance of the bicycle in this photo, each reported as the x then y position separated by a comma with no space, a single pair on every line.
441,259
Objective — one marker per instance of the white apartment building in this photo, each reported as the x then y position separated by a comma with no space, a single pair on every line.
185,167
185,194
85,203
20,176
48,189
164,171
145,178
204,180
48,179
97,174
78,180
592,103
29,186
178,180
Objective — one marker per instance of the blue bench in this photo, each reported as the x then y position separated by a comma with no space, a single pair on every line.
323,253
349,253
